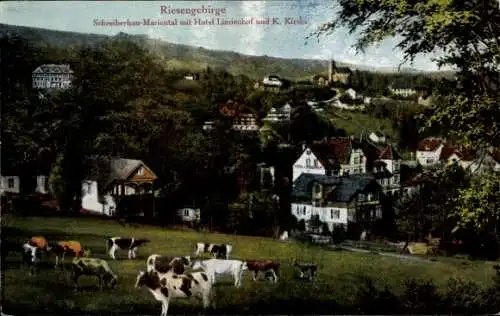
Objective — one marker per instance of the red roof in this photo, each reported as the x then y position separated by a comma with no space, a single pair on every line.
446,152
335,150
229,109
389,153
429,144
495,154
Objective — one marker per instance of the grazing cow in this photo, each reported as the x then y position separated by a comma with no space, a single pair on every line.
39,242
162,264
265,266
96,267
221,251
304,267
68,247
132,244
165,286
31,257
213,267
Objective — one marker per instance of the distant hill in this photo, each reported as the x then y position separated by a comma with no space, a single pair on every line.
178,56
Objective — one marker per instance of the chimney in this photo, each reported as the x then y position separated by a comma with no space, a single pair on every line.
304,146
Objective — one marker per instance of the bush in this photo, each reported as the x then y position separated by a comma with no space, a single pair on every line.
325,230
465,297
421,298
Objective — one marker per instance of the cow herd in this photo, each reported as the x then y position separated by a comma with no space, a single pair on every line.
165,277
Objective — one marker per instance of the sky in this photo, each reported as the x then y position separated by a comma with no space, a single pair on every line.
278,40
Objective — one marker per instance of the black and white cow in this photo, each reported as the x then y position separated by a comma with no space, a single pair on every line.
219,251
308,268
166,286
163,264
132,244
31,257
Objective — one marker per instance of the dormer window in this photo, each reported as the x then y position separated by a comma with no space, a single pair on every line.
308,152
317,191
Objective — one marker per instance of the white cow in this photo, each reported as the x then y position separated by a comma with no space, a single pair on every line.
213,267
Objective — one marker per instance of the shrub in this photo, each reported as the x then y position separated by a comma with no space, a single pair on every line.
465,297
420,297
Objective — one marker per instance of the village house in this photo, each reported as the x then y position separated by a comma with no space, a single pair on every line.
10,184
52,76
320,80
110,178
377,137
336,156
336,201
429,151
189,214
404,90
282,114
272,80
245,122
386,168
470,159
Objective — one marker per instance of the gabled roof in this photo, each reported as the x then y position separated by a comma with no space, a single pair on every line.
389,153
429,144
54,69
446,152
495,154
108,169
344,188
333,151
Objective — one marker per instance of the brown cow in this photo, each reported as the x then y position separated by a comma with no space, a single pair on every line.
265,266
39,242
68,247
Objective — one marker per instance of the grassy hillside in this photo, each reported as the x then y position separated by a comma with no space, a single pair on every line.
177,56
336,289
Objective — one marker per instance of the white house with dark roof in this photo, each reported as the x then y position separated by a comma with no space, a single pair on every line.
111,177
282,114
336,156
429,151
52,76
336,200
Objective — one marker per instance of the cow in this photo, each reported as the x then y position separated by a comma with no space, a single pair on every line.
31,257
166,286
68,247
93,267
132,244
265,266
214,267
39,242
221,251
163,264
306,267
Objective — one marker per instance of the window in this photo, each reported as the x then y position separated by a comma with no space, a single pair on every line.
334,213
140,172
396,178
308,152
361,197
308,162
370,196
396,166
303,210
10,183
186,212
429,161
315,162
356,160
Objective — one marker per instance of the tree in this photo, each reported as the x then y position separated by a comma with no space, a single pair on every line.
466,33
477,205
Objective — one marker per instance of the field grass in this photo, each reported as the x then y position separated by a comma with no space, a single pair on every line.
335,290
355,121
